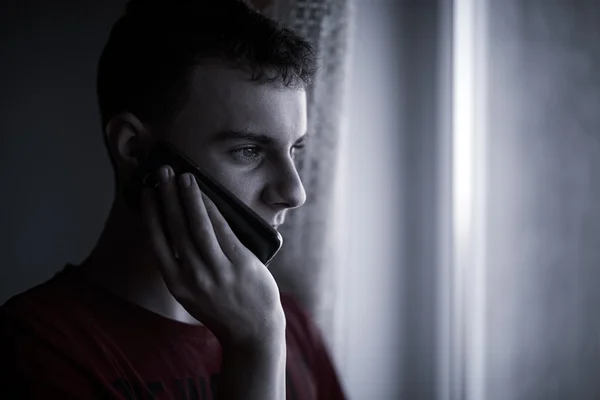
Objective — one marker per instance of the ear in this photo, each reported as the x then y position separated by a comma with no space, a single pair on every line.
129,140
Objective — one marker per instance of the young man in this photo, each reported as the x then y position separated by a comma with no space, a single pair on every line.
169,304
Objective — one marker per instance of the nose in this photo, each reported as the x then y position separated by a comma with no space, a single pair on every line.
285,189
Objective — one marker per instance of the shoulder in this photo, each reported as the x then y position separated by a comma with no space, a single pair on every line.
46,301
290,303
300,325
306,345
297,317
42,314
39,356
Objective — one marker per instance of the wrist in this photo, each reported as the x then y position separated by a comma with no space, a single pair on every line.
255,369
268,340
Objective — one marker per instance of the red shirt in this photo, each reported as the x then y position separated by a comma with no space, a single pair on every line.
68,338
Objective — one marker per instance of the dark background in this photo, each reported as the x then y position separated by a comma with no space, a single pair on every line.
51,136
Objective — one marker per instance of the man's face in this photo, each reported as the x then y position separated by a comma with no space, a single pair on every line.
245,134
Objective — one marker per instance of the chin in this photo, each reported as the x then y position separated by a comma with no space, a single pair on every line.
277,226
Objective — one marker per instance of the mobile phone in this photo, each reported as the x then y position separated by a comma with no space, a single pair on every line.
252,231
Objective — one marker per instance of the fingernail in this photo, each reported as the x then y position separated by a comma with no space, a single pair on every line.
163,175
186,180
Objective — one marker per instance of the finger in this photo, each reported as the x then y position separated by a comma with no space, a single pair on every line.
175,220
199,223
229,242
168,264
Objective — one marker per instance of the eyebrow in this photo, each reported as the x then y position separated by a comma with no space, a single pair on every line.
260,138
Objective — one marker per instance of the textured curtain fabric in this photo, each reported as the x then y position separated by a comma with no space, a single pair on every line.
307,265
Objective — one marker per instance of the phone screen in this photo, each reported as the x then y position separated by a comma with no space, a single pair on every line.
252,231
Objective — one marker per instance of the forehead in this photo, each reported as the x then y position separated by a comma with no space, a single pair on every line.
223,99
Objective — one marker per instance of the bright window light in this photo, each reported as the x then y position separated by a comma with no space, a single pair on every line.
469,160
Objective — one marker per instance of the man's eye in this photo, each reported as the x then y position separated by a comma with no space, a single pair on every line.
296,149
248,153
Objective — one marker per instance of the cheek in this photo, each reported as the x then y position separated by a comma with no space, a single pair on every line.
245,185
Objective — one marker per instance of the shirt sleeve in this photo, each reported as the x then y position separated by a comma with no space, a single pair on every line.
324,371
34,367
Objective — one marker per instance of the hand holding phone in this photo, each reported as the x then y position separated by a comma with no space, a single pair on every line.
217,279
255,233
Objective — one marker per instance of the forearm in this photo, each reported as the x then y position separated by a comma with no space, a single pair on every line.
254,372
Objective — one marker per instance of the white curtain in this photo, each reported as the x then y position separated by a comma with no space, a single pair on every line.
307,265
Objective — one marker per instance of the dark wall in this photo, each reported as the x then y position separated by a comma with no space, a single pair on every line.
56,176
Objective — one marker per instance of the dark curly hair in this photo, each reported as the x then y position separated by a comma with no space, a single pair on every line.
145,66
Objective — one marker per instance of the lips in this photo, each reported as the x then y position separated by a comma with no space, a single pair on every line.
277,221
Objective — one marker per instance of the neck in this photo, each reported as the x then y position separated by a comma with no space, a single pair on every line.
123,262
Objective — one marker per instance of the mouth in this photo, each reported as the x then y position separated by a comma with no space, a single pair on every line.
277,222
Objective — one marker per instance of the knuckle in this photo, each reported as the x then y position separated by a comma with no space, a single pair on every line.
227,277
234,248
249,273
198,281
237,251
